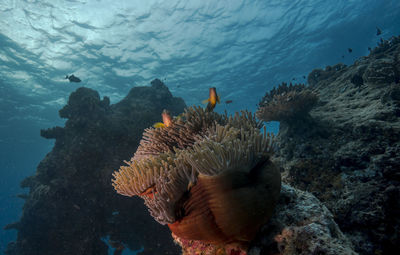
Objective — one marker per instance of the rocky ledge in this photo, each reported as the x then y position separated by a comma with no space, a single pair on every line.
347,150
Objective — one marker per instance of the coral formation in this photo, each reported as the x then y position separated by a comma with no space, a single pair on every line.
301,224
207,176
349,155
71,207
286,103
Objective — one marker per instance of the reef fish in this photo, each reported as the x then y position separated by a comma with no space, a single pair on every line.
228,101
212,100
72,78
378,31
167,120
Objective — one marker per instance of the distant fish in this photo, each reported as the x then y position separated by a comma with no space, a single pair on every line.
293,79
212,100
350,50
342,56
167,120
369,49
304,77
228,101
72,78
378,31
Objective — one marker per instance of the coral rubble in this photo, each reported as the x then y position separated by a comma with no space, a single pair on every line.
71,206
348,152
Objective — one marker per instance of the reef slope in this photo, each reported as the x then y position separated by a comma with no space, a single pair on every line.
347,151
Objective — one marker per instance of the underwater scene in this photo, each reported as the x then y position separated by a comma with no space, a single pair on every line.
195,127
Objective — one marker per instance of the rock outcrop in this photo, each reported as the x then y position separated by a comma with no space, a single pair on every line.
348,152
71,207
301,225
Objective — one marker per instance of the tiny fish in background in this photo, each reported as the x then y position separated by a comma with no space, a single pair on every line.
378,31
167,120
72,78
350,50
212,100
228,101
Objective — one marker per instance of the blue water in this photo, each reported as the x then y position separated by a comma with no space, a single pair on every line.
242,47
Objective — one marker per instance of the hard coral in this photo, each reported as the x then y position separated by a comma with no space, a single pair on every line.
286,102
207,176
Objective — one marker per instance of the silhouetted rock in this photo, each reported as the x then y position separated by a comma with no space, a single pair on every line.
71,205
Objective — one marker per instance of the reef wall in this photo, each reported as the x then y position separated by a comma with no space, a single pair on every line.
347,150
71,206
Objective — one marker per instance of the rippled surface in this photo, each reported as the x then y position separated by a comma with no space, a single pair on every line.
241,47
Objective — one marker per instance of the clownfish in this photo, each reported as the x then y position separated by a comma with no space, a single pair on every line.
149,192
212,100
167,120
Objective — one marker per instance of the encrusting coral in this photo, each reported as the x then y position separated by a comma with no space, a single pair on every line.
286,102
207,176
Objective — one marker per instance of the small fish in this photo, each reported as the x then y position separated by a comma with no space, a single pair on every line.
350,50
228,101
342,56
378,31
72,78
149,192
293,79
167,120
304,77
212,100
369,49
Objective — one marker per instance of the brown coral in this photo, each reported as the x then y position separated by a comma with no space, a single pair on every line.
286,102
207,176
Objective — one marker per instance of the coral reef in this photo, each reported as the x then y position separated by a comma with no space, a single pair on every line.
71,207
348,154
286,103
213,179
301,224
208,177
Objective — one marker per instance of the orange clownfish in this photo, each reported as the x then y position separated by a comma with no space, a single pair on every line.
167,120
149,192
212,100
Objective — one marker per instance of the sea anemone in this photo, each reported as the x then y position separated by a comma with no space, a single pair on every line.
208,176
286,103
